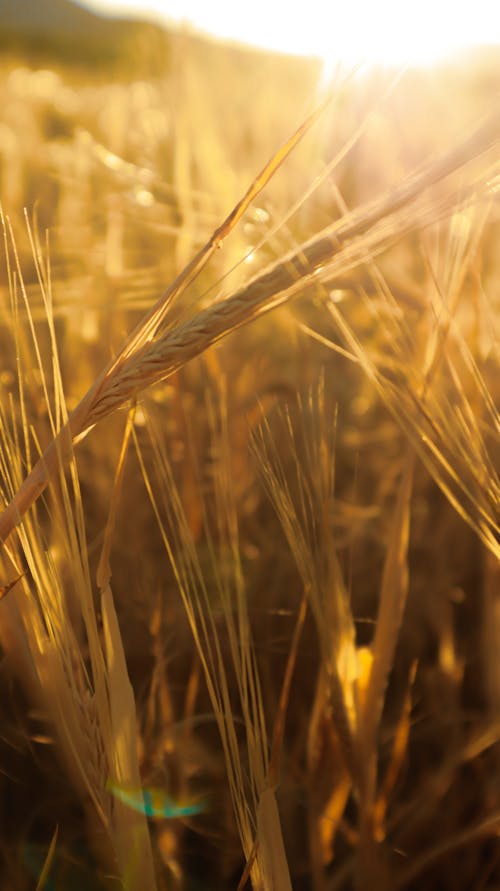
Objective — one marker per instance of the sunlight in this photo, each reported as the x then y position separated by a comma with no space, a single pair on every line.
386,32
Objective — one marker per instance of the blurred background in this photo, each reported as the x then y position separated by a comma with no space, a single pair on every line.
127,133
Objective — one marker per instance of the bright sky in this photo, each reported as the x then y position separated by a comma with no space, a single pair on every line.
390,31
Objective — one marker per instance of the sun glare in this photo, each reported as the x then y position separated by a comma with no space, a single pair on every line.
362,31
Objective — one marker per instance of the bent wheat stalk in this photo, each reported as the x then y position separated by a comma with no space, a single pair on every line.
148,357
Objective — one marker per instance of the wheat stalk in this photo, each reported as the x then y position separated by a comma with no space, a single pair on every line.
146,359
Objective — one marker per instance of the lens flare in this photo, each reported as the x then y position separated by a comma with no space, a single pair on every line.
155,803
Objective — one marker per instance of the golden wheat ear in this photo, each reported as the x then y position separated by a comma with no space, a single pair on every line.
149,356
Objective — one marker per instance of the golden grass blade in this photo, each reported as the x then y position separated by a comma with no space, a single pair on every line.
129,826
279,723
41,884
270,844
326,827
371,864
392,603
104,567
399,751
324,816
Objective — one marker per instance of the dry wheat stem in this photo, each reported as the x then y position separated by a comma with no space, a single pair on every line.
143,361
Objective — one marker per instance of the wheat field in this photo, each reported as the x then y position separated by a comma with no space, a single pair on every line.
249,475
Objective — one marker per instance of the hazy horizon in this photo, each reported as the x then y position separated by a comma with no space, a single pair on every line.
389,33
